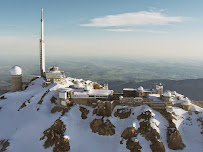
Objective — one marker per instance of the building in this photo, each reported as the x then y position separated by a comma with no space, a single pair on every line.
186,105
141,92
16,78
79,95
54,75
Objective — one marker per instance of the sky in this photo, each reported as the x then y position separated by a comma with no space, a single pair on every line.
154,28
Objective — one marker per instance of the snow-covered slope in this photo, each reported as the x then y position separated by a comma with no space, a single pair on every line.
25,115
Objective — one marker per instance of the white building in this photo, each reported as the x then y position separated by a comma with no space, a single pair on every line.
54,75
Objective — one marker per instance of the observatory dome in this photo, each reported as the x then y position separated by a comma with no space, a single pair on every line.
167,94
16,70
186,102
140,88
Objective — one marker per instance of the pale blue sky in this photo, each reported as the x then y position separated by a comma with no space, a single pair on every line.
102,27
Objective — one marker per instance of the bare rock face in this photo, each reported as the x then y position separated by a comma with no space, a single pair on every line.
63,110
3,145
157,146
133,146
174,139
150,133
103,108
3,97
53,100
123,113
55,136
84,112
102,128
129,132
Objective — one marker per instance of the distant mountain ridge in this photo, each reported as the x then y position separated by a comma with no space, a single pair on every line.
191,88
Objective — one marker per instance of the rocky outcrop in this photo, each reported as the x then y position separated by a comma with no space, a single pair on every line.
133,145
53,100
84,112
150,133
63,110
3,97
3,145
174,139
129,132
102,128
55,137
41,99
157,146
122,113
104,108
22,106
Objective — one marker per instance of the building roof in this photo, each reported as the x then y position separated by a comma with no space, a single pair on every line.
98,92
16,70
167,94
155,97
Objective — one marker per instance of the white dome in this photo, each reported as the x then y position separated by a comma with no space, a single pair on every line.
78,85
16,70
140,88
167,94
186,102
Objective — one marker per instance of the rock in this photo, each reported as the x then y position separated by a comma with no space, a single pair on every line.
55,136
174,139
3,97
133,146
104,108
123,113
157,146
102,128
63,110
3,145
84,112
53,100
150,133
129,132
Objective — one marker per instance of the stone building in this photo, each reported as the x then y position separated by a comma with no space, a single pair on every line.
141,92
16,78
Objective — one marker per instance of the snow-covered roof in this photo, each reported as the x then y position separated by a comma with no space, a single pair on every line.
155,97
186,102
98,92
129,89
140,88
78,85
167,94
16,70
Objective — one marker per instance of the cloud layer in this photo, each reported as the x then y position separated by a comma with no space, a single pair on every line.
134,19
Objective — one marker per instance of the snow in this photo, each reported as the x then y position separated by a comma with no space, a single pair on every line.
155,97
24,128
189,129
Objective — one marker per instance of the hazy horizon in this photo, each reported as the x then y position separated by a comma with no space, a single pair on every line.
133,28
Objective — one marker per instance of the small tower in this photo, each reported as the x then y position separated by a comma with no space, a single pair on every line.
159,88
106,86
16,78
